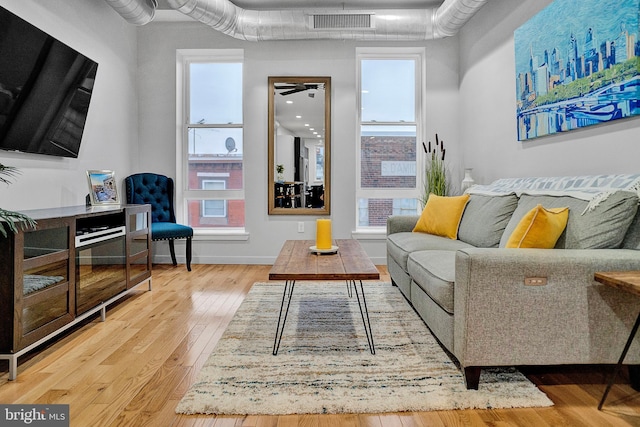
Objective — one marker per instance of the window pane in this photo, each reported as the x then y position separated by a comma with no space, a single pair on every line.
214,208
215,94
215,154
388,90
233,216
319,163
213,185
388,157
374,212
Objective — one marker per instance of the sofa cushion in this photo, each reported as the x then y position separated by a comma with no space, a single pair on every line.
400,245
632,238
485,219
539,228
603,227
435,272
441,215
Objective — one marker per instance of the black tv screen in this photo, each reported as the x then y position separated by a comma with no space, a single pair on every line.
45,90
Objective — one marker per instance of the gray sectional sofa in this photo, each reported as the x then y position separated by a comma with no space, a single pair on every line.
494,306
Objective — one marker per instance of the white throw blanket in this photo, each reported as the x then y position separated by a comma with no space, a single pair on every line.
592,188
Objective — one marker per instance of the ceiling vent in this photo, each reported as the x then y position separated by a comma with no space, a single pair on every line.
342,21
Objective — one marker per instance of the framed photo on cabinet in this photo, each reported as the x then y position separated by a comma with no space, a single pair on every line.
103,189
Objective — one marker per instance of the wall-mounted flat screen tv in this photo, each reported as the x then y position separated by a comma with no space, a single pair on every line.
45,90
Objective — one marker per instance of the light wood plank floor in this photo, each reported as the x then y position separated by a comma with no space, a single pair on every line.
133,369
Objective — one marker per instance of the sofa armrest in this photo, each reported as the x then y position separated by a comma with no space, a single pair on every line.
570,318
400,223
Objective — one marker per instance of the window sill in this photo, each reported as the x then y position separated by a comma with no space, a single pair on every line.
370,234
220,235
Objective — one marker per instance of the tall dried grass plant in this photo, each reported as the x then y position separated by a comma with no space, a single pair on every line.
435,177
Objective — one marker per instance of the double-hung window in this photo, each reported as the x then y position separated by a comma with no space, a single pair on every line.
210,139
390,128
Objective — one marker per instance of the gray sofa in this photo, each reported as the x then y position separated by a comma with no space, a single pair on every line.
493,306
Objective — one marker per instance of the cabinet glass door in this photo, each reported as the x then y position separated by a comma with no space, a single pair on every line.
138,235
46,300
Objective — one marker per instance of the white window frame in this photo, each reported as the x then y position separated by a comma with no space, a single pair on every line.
418,54
185,57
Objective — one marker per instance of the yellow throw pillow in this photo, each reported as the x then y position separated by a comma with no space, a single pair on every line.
539,228
441,216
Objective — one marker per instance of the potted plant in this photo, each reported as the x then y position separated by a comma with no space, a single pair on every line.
435,179
9,220
280,172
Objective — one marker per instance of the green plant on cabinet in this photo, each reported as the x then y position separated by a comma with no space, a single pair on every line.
10,220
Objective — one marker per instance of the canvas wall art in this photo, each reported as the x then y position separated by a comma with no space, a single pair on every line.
577,65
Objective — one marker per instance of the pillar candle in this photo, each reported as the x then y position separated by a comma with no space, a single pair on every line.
323,234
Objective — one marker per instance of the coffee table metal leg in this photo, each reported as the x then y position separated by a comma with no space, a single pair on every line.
349,282
632,335
365,314
286,294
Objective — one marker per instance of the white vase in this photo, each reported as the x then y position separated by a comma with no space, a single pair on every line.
468,180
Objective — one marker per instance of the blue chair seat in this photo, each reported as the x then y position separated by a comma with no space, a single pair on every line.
170,230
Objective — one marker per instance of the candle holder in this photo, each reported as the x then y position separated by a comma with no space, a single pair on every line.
331,250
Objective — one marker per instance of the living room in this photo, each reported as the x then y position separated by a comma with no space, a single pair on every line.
469,102
132,124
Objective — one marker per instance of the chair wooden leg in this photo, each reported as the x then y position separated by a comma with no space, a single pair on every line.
188,253
172,250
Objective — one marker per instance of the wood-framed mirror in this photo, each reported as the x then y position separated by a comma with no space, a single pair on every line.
299,159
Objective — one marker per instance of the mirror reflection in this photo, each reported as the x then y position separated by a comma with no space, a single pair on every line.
299,145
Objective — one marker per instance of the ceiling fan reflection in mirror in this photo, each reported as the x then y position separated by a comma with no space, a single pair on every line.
298,87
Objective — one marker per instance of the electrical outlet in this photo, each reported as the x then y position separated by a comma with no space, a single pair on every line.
301,227
535,281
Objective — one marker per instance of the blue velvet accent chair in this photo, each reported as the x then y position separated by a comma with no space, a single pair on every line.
157,191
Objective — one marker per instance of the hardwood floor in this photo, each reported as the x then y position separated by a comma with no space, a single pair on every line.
134,368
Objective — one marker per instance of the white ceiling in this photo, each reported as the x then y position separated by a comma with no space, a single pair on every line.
327,4
335,4
166,13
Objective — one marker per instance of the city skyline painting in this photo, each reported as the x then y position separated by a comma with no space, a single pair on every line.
577,65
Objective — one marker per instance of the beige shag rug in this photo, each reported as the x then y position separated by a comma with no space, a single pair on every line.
324,364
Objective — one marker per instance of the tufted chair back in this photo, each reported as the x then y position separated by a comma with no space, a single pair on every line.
155,190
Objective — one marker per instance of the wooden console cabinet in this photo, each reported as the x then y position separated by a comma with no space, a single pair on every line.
73,264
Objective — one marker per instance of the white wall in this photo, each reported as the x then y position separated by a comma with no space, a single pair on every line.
158,42
110,136
488,110
131,125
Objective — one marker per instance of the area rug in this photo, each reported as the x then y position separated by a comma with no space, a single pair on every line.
324,364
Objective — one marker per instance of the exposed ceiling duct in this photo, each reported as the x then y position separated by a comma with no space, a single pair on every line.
137,12
305,24
452,15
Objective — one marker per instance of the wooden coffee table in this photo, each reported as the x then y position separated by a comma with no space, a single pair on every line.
296,262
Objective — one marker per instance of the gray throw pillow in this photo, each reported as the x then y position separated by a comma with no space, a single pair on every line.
601,228
485,219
